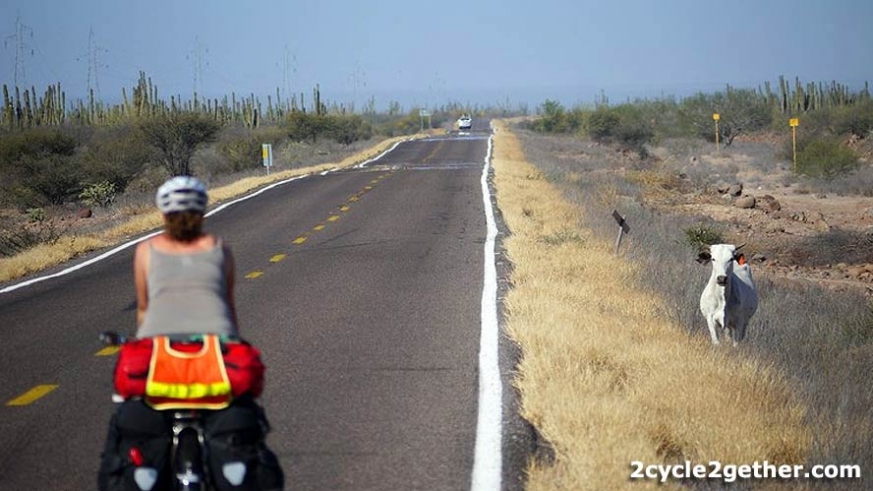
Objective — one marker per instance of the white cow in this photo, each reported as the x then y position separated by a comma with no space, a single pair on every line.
730,297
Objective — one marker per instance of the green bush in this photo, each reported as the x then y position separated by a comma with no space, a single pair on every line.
603,123
100,194
701,236
242,152
854,120
826,157
114,154
341,128
175,136
37,168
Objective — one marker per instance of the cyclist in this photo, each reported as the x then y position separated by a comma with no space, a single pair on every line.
184,277
184,281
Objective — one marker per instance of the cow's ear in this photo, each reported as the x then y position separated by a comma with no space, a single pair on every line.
740,258
704,257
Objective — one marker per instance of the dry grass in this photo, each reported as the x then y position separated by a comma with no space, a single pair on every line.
605,376
44,256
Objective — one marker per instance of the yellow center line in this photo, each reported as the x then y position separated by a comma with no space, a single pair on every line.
254,274
368,187
108,351
277,258
354,198
317,228
345,208
300,240
333,218
374,181
32,395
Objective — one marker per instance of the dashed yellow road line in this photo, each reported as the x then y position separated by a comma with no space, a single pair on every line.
345,208
368,188
277,258
32,395
255,274
316,228
333,218
299,240
108,351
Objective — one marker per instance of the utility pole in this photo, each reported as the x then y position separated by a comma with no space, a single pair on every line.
93,59
288,66
20,46
198,67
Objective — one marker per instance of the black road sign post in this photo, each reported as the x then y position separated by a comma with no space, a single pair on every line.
623,228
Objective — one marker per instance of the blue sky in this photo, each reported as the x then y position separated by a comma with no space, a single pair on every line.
430,53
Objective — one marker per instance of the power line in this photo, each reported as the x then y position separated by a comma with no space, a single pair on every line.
20,46
94,65
198,66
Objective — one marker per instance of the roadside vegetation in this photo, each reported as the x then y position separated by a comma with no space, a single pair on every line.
72,174
616,363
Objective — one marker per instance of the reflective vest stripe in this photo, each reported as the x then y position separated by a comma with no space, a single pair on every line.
179,379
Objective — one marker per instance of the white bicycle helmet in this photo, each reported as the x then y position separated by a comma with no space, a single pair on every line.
181,193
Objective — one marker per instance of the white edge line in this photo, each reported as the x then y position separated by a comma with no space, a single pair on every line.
364,163
488,458
140,239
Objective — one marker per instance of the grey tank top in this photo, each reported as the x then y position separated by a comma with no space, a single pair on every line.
187,294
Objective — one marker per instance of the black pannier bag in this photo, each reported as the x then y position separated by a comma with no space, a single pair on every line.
136,432
239,459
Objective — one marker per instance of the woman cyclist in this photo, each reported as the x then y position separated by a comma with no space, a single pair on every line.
184,277
184,281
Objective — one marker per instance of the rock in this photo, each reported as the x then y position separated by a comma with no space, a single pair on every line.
745,202
769,204
85,213
736,189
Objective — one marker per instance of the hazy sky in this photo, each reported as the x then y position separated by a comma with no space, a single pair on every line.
430,53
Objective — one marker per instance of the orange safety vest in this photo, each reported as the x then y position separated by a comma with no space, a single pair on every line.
183,380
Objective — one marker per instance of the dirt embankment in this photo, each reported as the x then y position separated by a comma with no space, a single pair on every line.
794,232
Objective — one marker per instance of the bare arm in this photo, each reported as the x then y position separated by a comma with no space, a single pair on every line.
140,275
230,276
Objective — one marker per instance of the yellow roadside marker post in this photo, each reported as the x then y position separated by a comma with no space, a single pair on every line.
716,117
794,123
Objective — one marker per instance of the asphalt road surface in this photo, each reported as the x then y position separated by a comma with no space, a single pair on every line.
362,288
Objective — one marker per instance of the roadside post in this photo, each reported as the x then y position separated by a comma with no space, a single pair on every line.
716,117
422,113
267,154
623,228
794,123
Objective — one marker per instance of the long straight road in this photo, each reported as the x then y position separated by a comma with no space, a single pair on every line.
363,289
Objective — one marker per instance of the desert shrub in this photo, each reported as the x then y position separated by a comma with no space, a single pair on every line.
100,194
241,148
825,157
37,168
701,236
553,118
855,120
18,235
114,154
603,123
624,124
341,128
175,136
347,129
741,111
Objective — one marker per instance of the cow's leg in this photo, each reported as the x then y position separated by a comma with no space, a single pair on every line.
712,324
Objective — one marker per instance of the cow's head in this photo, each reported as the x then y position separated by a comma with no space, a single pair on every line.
722,257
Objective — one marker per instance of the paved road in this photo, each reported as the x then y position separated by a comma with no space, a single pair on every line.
363,289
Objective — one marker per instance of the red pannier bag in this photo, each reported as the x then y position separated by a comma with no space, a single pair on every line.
242,361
